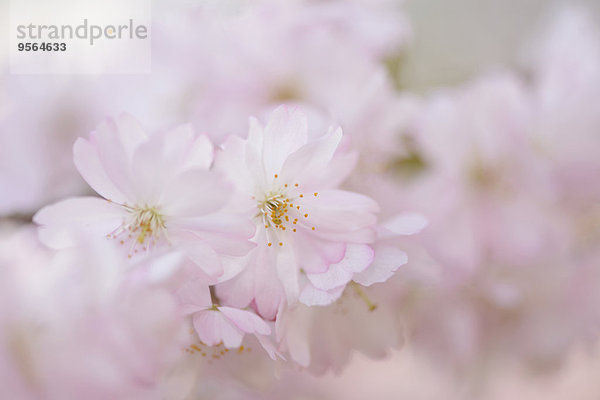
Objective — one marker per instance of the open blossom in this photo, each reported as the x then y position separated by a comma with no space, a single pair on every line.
304,224
216,324
159,195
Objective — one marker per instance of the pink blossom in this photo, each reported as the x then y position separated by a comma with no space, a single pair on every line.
155,191
304,224
216,324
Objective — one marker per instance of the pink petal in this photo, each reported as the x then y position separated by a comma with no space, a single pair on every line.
246,320
287,272
200,154
311,296
131,133
187,150
357,258
115,143
307,164
232,162
226,233
340,215
259,281
199,253
89,166
387,261
193,296
286,132
62,223
269,347
194,193
269,289
213,328
237,292
314,254
297,334
403,224
233,266
338,169
253,156
159,161
150,172
164,266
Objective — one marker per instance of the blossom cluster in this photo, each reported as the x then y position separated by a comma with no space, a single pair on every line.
272,200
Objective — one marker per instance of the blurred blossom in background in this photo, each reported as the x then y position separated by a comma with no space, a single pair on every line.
474,126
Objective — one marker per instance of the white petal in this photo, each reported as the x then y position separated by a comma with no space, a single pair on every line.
61,223
357,258
151,171
213,328
307,164
314,254
297,331
286,132
403,224
340,215
253,156
164,266
194,193
115,143
226,233
188,149
231,162
201,153
387,260
131,133
246,320
287,271
311,296
193,296
237,292
89,166
199,253
269,347
269,290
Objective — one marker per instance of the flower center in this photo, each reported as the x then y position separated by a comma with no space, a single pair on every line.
144,228
281,211
274,210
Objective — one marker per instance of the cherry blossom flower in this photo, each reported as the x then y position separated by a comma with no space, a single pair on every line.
304,224
216,324
159,195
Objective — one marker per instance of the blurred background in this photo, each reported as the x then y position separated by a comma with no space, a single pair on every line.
453,40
